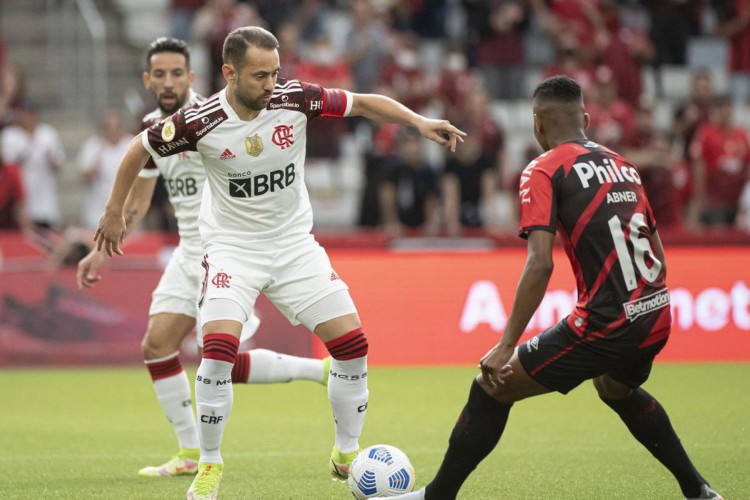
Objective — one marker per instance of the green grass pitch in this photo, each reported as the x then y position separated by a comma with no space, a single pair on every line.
83,434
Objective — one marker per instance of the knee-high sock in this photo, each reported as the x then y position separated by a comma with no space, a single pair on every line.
213,392
261,366
347,387
474,436
648,422
173,392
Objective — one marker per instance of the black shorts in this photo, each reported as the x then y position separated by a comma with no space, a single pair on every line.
561,360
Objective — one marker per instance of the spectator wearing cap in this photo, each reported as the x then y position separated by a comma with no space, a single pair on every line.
36,147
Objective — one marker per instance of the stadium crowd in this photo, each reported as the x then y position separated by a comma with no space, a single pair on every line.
460,59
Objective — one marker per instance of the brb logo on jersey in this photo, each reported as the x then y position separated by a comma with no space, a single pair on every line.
283,136
244,185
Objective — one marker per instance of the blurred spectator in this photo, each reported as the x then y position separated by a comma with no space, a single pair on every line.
570,64
734,24
212,24
721,164
323,65
308,15
366,47
425,18
664,174
456,83
471,177
404,74
673,22
576,26
12,90
625,49
181,16
37,149
13,214
611,117
500,47
98,161
289,51
695,111
376,158
743,209
409,196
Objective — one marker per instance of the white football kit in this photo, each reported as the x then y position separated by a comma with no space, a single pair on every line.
256,218
184,178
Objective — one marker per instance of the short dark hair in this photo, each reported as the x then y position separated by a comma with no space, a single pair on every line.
237,42
559,88
166,44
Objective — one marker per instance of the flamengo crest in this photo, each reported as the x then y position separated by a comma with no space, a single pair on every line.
254,145
283,136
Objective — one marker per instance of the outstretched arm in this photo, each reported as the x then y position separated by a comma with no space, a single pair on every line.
112,225
383,109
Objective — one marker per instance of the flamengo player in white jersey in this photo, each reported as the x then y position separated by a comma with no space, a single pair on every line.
255,225
174,307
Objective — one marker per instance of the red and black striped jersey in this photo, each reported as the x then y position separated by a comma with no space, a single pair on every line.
594,198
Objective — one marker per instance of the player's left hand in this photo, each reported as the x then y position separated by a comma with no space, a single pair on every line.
494,365
442,132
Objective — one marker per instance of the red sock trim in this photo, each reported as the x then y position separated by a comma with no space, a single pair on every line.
164,369
349,346
241,368
221,347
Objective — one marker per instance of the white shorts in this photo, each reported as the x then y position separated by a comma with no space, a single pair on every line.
179,288
293,273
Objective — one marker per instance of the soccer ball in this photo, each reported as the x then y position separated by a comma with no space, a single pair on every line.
380,471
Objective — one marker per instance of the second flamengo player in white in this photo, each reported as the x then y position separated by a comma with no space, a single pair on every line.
174,307
255,225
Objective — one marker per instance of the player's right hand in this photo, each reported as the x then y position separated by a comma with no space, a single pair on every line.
87,274
495,365
110,233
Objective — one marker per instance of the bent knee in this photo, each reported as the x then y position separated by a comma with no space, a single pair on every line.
158,346
610,389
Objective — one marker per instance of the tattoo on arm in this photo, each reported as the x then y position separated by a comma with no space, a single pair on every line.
130,216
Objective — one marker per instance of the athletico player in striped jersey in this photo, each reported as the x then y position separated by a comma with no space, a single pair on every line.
593,197
174,307
255,225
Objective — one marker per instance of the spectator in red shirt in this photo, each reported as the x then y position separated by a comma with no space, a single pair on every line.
403,73
611,117
322,63
625,49
456,83
721,164
13,215
663,173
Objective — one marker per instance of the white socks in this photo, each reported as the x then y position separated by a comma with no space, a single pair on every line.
213,397
268,367
174,396
347,390
173,392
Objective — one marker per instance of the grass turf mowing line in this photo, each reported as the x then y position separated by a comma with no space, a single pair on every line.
85,433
